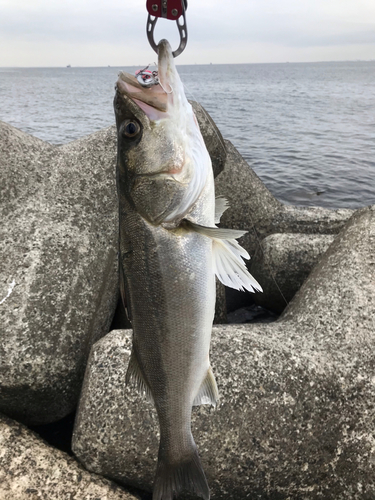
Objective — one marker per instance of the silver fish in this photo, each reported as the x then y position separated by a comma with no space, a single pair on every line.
170,251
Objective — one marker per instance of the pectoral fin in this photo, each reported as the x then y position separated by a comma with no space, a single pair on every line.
213,232
230,268
227,256
208,393
134,377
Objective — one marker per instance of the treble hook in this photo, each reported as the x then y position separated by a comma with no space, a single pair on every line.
169,9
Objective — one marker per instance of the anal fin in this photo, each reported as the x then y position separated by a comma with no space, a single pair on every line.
208,393
135,378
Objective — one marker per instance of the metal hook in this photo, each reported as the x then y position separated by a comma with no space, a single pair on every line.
182,28
148,78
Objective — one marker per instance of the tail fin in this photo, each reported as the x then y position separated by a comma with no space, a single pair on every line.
171,479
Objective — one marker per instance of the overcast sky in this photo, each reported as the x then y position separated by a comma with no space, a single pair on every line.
112,32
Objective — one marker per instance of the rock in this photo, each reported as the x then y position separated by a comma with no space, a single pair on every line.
221,304
251,314
283,263
238,299
296,418
31,470
58,267
340,291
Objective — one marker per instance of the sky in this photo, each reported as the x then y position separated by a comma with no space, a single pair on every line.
43,33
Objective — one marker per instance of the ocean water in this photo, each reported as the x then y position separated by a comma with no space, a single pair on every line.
307,129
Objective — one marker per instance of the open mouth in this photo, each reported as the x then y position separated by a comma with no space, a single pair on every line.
151,90
154,96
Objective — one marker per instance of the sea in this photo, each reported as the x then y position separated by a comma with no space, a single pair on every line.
307,129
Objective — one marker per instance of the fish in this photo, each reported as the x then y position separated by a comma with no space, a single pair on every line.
169,252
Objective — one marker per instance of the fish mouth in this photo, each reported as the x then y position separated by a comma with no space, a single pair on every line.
152,100
129,86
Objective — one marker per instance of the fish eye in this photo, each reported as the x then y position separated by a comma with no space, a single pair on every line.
131,128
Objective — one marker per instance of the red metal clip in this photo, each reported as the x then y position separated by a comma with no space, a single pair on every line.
168,9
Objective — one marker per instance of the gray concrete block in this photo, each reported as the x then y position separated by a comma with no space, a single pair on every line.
31,470
221,304
58,267
282,263
296,414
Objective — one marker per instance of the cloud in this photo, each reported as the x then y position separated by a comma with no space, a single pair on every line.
86,23
99,31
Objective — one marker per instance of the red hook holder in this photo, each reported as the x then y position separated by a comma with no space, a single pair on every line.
168,9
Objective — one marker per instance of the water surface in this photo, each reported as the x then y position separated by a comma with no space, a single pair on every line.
308,130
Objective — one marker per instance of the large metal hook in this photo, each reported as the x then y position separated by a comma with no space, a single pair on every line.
159,8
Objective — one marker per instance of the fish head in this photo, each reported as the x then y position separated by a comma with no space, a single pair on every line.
163,163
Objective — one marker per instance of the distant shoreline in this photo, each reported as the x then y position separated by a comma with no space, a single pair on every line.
68,67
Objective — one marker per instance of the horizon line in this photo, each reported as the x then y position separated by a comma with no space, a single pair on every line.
68,66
